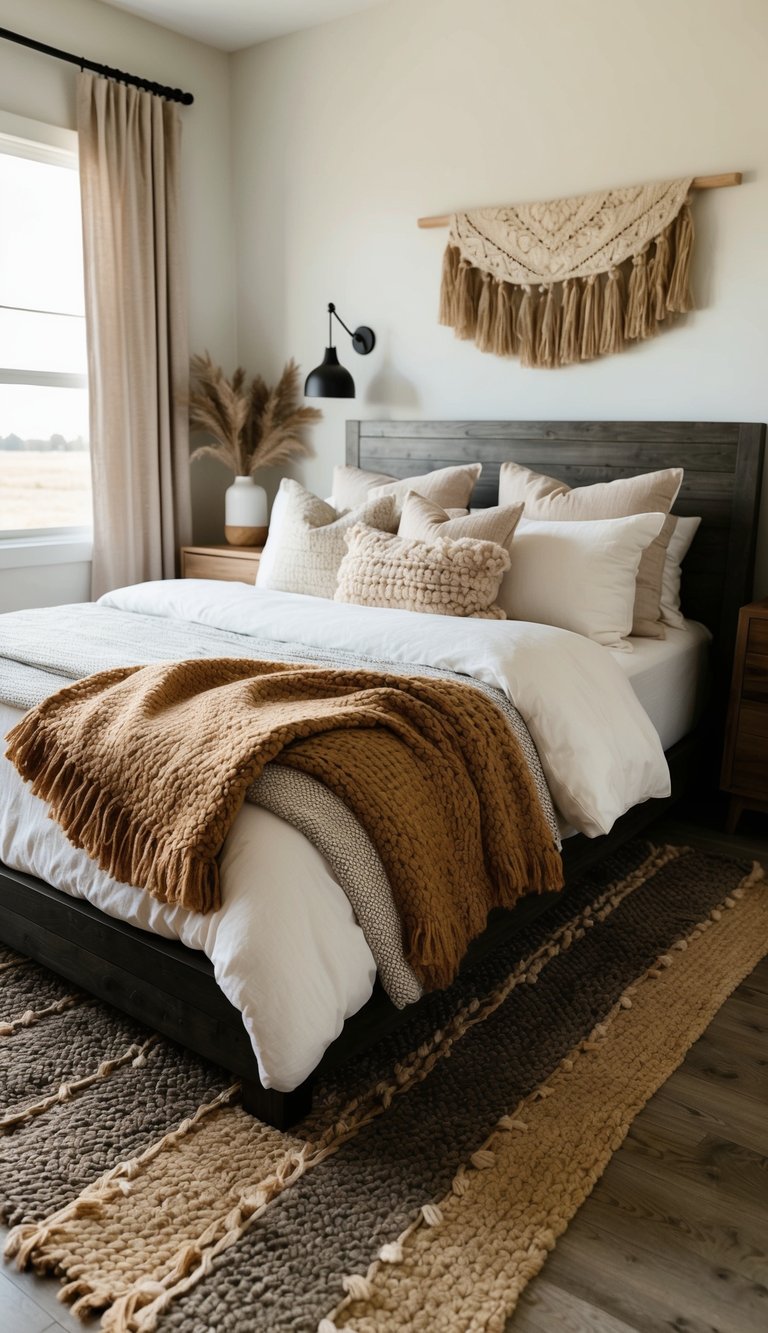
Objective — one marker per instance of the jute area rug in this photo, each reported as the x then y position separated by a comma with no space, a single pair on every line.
433,1177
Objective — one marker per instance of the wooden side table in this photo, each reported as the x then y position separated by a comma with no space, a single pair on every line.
235,564
745,754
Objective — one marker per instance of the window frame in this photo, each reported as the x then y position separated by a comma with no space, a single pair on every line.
57,146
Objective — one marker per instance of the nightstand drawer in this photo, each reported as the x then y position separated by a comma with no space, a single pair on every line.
233,569
757,641
750,761
755,682
753,718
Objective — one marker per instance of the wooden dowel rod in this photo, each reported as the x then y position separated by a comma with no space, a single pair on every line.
698,183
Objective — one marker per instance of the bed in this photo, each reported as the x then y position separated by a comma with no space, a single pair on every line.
172,987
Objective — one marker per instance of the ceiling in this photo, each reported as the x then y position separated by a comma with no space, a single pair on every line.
233,24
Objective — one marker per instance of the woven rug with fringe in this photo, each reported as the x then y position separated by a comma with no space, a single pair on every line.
433,1176
569,279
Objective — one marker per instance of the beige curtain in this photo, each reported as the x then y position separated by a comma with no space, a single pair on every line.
137,331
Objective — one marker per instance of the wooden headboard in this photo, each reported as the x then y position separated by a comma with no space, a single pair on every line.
723,468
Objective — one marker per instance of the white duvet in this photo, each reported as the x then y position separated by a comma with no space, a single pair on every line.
285,946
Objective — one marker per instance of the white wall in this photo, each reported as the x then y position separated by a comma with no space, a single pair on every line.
36,86
344,134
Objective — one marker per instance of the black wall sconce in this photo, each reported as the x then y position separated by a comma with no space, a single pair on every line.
330,379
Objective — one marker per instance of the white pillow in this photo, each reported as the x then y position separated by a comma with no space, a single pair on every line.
679,545
306,541
578,574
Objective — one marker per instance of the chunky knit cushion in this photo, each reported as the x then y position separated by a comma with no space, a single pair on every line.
547,499
450,487
306,542
445,577
427,522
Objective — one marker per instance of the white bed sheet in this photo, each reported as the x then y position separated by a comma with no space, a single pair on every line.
670,678
285,946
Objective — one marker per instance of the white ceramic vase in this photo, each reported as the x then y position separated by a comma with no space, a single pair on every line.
245,513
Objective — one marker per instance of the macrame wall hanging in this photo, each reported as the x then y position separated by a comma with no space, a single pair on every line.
570,279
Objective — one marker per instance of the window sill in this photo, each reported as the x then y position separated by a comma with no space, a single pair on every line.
54,548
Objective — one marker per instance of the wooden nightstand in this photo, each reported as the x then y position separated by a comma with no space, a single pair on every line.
745,755
236,564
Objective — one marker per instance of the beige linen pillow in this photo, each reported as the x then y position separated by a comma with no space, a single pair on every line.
652,493
578,575
427,522
443,578
450,487
306,542
679,544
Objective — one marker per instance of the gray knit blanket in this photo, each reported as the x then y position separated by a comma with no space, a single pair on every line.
41,651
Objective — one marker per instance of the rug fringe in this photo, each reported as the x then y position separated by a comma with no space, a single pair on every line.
127,1316
137,1310
359,1288
32,1016
136,1055
25,1243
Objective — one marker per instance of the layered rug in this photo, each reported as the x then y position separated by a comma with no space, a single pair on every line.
433,1176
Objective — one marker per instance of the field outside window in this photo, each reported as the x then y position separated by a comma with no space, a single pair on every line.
45,476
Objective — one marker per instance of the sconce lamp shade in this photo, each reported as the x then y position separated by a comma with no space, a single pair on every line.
330,379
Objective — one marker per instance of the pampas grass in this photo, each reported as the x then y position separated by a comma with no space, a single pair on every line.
252,425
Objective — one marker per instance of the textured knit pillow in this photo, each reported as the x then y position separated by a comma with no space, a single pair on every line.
306,542
450,487
653,493
444,578
579,576
427,522
679,543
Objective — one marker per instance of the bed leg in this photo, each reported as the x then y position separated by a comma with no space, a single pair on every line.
279,1109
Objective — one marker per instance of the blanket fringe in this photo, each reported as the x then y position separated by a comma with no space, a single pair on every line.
120,843
579,319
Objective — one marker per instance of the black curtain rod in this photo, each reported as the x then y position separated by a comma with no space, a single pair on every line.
171,94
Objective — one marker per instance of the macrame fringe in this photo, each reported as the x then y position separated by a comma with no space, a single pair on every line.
612,330
526,328
579,319
505,325
590,319
569,324
448,285
679,297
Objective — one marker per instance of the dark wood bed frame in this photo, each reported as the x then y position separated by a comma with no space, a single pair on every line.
172,988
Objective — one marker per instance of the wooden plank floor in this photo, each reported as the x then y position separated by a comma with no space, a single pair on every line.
674,1238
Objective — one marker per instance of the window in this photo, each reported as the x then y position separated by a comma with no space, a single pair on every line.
45,478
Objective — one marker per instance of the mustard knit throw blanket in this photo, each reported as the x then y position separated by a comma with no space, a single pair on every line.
146,768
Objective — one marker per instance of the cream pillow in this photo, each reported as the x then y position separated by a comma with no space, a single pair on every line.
652,493
306,541
444,578
679,545
427,522
450,487
578,575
